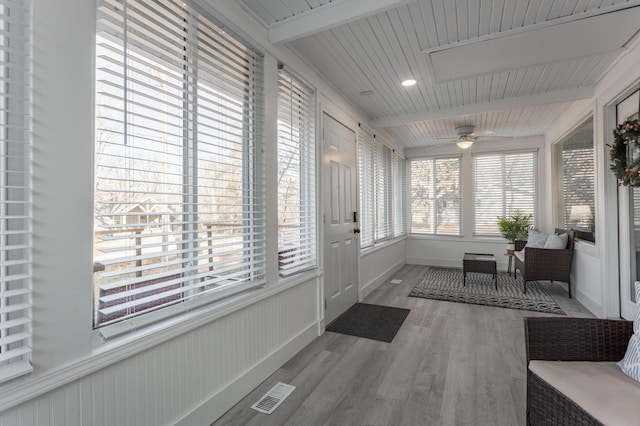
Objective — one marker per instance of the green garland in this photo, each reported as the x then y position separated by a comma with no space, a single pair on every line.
628,173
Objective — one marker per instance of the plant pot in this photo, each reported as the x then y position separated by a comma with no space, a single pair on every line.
511,248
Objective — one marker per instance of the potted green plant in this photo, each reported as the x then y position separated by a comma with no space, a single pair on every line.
514,227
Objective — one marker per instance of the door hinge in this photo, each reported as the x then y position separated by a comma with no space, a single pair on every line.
325,304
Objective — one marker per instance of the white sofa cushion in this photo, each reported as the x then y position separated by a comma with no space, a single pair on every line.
557,242
536,239
599,388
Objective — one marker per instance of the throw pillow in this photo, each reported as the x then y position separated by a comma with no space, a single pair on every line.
536,239
630,364
636,320
557,242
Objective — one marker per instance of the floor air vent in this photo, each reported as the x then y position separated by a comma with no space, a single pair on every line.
272,399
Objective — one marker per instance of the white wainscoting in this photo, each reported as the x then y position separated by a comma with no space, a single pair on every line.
587,283
449,252
196,377
378,264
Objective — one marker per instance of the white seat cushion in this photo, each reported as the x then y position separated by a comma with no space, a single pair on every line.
600,388
519,255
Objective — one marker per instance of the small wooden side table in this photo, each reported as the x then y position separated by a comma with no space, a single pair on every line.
510,261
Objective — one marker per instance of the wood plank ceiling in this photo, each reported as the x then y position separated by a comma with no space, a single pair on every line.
372,45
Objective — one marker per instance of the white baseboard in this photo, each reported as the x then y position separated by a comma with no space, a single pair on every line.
447,263
224,400
593,306
444,263
375,283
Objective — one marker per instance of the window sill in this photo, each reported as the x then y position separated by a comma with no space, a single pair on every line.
586,247
458,238
381,245
297,279
27,388
435,237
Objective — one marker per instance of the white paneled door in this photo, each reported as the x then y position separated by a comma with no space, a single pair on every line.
629,221
341,229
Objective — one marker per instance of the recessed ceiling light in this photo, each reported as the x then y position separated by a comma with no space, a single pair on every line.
409,82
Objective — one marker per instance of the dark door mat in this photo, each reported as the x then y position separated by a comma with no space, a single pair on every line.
370,321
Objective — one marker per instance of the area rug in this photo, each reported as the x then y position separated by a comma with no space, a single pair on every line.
370,321
446,284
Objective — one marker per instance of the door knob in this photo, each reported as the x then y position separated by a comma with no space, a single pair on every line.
356,231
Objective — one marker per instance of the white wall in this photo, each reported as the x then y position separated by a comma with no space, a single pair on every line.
378,264
448,251
194,377
595,272
586,285
191,369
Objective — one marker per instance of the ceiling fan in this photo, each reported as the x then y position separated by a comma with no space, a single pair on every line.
467,136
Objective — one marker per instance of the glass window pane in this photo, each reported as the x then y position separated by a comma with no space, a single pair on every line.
502,184
578,181
435,196
179,206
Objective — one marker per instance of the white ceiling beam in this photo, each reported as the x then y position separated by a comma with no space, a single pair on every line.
326,17
501,105
514,49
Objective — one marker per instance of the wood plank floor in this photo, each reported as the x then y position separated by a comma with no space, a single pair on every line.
450,364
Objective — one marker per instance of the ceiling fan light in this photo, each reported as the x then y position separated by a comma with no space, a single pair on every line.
464,143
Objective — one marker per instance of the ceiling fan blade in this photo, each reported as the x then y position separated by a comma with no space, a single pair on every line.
482,133
494,138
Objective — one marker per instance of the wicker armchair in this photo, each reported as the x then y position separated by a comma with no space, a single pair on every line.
568,339
546,264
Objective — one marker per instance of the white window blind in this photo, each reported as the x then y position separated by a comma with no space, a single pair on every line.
399,195
366,180
502,184
15,189
578,181
381,174
435,196
383,194
296,175
179,205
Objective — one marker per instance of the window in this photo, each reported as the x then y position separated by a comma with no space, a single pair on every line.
15,189
365,178
578,181
296,175
435,196
502,184
179,204
381,174
383,195
399,195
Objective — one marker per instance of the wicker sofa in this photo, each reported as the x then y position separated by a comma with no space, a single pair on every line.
590,390
545,264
